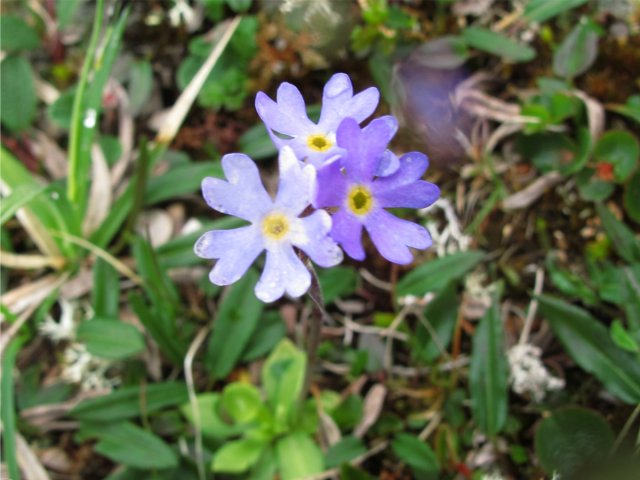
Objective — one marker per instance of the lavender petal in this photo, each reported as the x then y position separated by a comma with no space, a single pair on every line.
316,243
288,115
331,186
283,272
347,231
243,195
236,250
295,190
365,147
392,235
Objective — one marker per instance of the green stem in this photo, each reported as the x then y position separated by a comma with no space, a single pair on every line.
625,429
318,314
142,172
77,187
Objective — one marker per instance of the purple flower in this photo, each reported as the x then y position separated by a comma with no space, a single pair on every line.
352,185
288,124
275,226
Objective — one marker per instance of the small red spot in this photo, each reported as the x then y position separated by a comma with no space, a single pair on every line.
463,470
604,171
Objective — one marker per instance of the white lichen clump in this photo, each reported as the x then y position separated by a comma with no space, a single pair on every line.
450,239
528,374
78,366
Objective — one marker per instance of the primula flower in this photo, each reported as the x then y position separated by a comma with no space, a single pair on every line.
351,185
288,124
276,226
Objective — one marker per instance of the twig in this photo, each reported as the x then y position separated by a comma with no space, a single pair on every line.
625,430
103,254
388,351
376,282
434,335
193,400
29,463
533,307
431,426
179,110
356,461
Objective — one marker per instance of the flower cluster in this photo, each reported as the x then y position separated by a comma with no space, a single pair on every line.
330,166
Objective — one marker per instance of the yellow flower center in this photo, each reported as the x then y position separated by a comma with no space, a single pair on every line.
360,200
275,226
319,143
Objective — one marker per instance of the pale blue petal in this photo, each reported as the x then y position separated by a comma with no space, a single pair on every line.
243,195
392,236
388,165
235,250
283,272
316,243
339,103
288,116
297,183
405,188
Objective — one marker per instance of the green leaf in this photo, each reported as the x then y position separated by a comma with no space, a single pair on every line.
235,323
110,338
265,338
111,148
547,151
589,344
571,440
61,111
593,188
241,401
178,252
442,315
179,181
239,6
344,451
621,150
237,456
578,50
337,282
348,472
436,274
160,322
18,198
623,239
17,93
140,84
298,456
416,454
7,409
489,373
130,402
543,10
212,426
66,10
16,34
630,109
282,378
105,294
256,143
88,101
53,211
130,445
631,197
497,44
622,338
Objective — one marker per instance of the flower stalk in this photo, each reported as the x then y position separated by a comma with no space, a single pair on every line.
318,314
